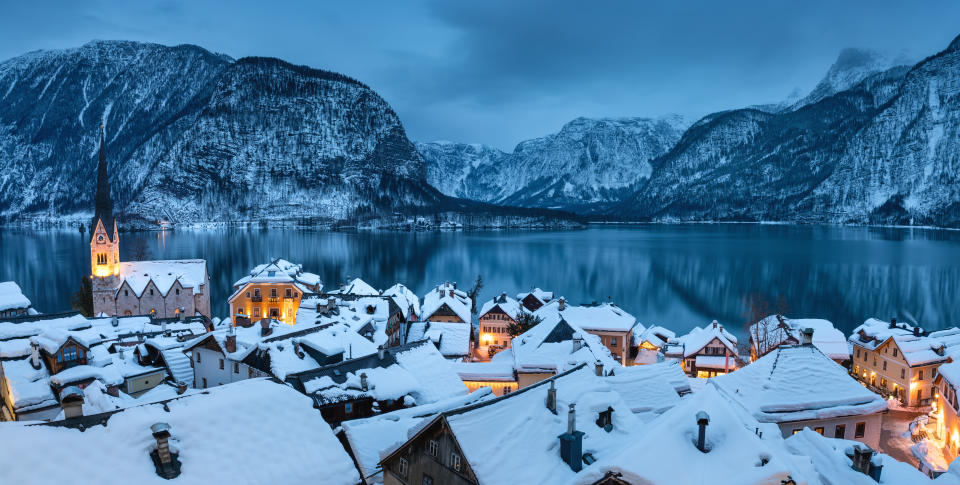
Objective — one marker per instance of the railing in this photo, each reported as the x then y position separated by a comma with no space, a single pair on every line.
273,299
256,299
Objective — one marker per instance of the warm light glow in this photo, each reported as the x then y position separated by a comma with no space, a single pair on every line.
486,338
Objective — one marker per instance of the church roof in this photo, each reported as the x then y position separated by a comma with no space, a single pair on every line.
103,208
191,273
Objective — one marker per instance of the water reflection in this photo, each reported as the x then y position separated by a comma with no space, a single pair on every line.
674,275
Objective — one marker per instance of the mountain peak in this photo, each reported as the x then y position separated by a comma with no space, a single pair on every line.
955,45
852,66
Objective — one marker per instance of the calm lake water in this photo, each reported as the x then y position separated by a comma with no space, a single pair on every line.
677,276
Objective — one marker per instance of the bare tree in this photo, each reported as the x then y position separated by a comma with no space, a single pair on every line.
140,249
474,293
82,299
759,330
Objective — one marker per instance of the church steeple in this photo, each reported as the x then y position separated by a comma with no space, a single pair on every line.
103,208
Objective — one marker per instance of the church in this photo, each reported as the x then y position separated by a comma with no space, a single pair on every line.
162,289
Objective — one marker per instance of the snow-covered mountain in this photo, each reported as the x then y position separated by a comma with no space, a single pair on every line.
195,136
885,150
587,165
851,67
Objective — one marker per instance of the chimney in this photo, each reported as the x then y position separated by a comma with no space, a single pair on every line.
231,340
363,381
598,367
34,355
702,421
450,293
371,309
163,327
562,304
893,322
380,352
552,398
503,297
715,324
861,458
114,321
71,400
806,336
916,331
166,466
120,351
571,442
181,387
577,342
454,285
265,327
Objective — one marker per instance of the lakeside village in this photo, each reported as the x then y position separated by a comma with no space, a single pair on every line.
308,384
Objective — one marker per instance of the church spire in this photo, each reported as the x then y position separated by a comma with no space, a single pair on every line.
103,210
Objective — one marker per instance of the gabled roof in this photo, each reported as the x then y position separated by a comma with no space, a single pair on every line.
833,466
916,346
797,382
698,338
830,341
405,299
550,347
513,438
543,296
458,303
11,297
451,338
190,273
655,334
601,317
507,305
665,451
219,434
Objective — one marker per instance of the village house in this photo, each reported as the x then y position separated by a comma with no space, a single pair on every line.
534,299
705,439
366,438
897,359
446,303
551,432
496,316
389,379
610,323
552,347
41,355
13,303
946,407
797,387
355,287
499,376
409,304
270,291
445,321
217,436
649,342
775,330
705,352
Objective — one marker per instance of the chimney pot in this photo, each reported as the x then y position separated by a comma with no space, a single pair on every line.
577,342
598,368
702,421
231,343
562,304
380,352
572,418
571,442
806,336
181,387
363,381
715,324
265,327
552,398
34,355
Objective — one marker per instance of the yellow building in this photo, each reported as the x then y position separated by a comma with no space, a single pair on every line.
897,360
268,292
946,409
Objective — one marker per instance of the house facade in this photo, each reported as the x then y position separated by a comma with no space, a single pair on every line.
705,352
947,409
495,318
268,292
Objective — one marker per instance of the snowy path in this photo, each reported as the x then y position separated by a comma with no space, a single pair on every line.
895,436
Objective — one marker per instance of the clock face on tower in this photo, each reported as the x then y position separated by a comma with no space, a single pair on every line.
100,238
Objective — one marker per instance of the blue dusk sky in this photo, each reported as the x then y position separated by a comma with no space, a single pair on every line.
498,72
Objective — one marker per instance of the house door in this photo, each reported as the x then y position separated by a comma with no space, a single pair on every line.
919,396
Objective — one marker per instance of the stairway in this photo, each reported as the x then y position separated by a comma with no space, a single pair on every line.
178,366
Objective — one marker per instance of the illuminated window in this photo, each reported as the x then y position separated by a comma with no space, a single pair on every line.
920,375
455,461
819,429
256,312
796,430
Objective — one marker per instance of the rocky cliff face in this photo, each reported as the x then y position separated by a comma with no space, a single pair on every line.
194,136
587,165
883,151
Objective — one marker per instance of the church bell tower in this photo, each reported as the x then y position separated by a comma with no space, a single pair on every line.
104,249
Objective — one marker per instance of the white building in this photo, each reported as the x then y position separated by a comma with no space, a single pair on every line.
705,352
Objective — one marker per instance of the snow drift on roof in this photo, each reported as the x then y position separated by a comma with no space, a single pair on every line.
11,297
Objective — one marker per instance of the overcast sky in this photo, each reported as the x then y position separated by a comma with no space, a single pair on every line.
499,72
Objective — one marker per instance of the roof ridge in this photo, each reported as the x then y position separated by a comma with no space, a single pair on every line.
471,407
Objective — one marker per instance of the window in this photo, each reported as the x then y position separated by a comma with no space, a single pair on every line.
289,293
455,461
126,293
248,294
884,365
434,448
903,374
403,467
151,291
427,480
256,292
819,429
221,364
920,375
856,370
274,312
204,382
250,372
273,292
894,352
178,291
860,430
236,367
858,352
69,353
198,357
796,430
256,312
613,341
883,382
348,408
840,431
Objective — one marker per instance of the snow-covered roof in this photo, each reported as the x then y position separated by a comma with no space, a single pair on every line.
798,382
191,273
11,297
916,347
656,335
665,451
109,375
369,437
698,338
219,435
281,271
507,305
484,371
446,294
833,466
669,371
405,298
551,346
648,392
356,287
543,296
414,372
513,438
28,388
770,333
451,338
601,317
